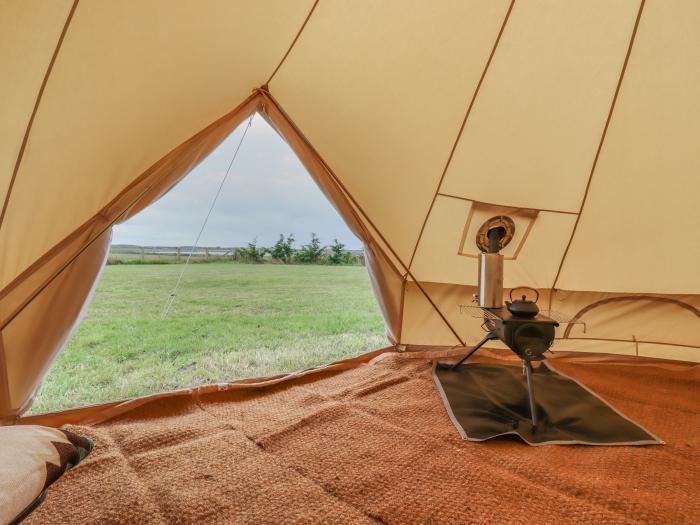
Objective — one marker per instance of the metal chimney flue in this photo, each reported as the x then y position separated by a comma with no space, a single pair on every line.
490,280
491,271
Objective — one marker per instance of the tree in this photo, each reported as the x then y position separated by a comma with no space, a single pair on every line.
252,254
283,250
311,253
339,255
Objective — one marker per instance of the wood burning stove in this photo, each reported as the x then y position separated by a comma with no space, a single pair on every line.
519,323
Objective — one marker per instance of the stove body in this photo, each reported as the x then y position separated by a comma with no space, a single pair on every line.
528,338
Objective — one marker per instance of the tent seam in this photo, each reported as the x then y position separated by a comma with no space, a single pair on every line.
86,245
324,174
505,205
291,46
5,409
101,212
607,300
371,240
461,129
47,282
640,341
616,94
37,102
401,308
70,415
342,187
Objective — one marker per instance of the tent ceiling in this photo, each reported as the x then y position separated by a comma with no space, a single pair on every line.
543,105
132,81
641,216
381,92
25,68
418,120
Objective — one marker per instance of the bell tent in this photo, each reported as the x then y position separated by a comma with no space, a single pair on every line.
420,121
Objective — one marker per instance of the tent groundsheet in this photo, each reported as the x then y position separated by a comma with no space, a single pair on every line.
372,443
486,401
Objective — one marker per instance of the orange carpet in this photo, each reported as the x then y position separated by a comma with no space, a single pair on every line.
374,445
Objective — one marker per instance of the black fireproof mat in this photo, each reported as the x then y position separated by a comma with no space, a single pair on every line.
489,400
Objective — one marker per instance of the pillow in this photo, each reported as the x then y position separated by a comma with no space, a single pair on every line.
31,458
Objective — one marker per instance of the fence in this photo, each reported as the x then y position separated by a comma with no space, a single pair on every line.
127,253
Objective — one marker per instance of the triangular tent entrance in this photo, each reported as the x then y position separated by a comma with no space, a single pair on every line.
154,325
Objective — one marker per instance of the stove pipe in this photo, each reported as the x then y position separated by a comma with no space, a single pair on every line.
491,272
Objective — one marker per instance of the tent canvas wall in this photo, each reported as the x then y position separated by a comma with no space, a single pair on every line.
578,119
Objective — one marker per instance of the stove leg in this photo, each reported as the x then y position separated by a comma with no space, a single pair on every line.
530,391
481,343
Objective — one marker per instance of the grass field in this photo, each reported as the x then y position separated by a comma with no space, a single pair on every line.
229,321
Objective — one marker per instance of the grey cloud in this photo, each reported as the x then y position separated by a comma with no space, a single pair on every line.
267,193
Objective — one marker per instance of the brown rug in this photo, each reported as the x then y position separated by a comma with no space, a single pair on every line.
375,445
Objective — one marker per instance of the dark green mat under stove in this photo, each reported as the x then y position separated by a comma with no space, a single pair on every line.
489,400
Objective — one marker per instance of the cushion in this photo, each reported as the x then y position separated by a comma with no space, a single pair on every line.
32,457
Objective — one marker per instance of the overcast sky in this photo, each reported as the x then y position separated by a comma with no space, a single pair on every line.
267,193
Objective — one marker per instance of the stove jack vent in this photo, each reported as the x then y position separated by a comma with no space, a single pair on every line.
493,235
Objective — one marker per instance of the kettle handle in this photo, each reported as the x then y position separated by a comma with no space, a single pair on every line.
510,295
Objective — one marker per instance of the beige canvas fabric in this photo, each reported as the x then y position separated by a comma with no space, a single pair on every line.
579,120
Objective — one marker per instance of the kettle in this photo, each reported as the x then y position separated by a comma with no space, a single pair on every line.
523,307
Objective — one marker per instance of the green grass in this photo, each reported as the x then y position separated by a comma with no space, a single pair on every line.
229,321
